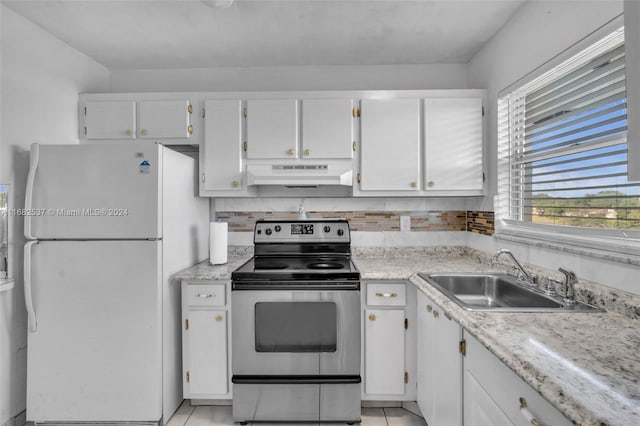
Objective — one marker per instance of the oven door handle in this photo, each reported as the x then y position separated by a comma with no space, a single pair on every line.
296,380
295,285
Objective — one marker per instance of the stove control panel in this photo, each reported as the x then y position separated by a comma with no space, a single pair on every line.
302,231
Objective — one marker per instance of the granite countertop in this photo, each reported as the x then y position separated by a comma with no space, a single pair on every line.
585,364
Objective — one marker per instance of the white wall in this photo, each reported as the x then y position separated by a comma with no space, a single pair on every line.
538,32
374,77
40,81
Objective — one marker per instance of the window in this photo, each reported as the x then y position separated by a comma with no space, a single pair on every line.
562,148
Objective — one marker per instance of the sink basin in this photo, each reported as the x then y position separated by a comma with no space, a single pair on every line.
498,292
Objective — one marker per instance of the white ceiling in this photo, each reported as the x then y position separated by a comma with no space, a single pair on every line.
133,34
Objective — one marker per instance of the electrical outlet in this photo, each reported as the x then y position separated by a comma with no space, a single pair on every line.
405,223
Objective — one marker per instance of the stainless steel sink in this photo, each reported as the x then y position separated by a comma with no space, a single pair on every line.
498,292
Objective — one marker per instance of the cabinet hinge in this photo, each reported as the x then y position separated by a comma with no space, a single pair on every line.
244,112
462,347
85,130
483,110
483,177
202,177
406,377
188,377
186,324
85,110
406,323
355,112
244,146
203,113
359,178
190,129
190,108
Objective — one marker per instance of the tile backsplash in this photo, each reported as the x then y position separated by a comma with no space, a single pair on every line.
377,221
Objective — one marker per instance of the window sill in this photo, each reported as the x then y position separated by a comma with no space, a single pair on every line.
611,248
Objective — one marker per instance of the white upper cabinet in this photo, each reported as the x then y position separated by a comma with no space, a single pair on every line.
327,128
130,119
221,150
110,119
164,119
390,141
272,128
453,144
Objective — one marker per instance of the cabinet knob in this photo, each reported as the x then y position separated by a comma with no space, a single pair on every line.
430,184
372,317
218,318
143,132
291,151
235,184
414,184
128,132
306,152
429,308
436,314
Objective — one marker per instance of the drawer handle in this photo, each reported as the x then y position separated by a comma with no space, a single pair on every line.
387,294
205,295
429,308
528,415
436,314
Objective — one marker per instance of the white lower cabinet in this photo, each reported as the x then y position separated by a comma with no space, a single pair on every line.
388,341
205,340
439,387
493,393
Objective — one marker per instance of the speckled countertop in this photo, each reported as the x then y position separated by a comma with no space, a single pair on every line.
586,364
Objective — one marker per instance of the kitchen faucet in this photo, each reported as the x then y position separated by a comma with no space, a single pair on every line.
529,279
570,279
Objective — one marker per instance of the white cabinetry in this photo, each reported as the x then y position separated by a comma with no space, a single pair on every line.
453,144
117,119
205,340
221,149
164,119
109,120
272,128
390,145
327,128
389,341
439,393
492,391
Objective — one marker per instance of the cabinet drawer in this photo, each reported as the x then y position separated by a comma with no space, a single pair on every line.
386,294
206,295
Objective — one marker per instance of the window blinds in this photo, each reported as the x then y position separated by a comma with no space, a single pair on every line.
562,152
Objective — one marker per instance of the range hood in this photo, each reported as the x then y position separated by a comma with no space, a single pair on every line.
300,175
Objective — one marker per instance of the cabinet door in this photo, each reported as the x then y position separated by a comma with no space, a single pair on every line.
222,148
447,371
426,364
384,351
272,128
207,344
390,140
327,128
453,143
479,408
164,119
110,120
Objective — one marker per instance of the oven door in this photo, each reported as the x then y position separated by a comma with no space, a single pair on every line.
296,332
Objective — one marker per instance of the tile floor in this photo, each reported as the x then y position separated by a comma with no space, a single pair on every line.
220,415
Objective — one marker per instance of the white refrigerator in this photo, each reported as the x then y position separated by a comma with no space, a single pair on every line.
107,225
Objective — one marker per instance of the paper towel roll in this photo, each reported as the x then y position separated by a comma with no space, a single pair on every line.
218,243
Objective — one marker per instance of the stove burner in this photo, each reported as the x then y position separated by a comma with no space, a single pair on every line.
267,264
325,265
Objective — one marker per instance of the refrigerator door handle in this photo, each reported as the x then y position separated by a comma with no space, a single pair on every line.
28,297
31,176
